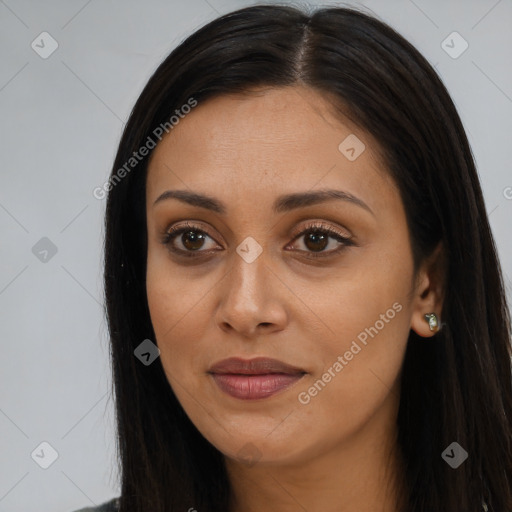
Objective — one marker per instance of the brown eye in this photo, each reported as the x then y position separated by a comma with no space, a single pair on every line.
317,239
192,239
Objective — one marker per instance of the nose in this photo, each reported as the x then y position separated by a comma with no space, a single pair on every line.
251,299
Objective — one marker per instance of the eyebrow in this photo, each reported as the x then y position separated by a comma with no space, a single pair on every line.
284,203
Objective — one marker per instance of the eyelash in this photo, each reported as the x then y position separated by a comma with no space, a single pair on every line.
318,228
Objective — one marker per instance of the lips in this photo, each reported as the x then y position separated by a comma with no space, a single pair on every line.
256,366
254,378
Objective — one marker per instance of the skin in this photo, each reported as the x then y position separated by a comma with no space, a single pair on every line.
338,451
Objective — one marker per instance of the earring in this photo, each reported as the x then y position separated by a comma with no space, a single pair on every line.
433,323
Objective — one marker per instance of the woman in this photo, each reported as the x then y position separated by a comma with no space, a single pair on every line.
305,304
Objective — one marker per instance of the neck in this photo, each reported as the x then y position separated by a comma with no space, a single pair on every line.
361,473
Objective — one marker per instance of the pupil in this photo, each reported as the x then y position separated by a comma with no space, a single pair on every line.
316,237
191,240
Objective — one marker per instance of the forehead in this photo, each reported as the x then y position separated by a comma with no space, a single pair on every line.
276,138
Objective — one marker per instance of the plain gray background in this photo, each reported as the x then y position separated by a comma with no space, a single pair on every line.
61,121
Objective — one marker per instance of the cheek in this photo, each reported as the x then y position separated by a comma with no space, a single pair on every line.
367,321
359,367
366,299
177,306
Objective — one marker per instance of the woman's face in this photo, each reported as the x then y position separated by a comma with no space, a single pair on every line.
250,278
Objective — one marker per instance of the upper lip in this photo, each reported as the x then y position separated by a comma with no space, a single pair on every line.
256,366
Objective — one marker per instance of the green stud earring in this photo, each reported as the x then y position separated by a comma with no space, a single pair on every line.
433,324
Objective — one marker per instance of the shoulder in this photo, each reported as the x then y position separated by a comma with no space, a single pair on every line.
108,506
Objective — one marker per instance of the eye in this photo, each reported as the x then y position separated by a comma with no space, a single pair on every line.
316,238
192,239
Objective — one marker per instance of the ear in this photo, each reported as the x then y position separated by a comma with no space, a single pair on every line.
428,293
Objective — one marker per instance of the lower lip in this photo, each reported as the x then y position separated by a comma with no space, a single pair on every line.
254,387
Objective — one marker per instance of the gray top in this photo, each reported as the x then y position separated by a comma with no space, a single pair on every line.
108,506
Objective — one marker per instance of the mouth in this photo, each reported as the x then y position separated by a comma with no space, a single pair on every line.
254,379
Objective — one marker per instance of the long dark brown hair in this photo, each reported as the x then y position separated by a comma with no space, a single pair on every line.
456,386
